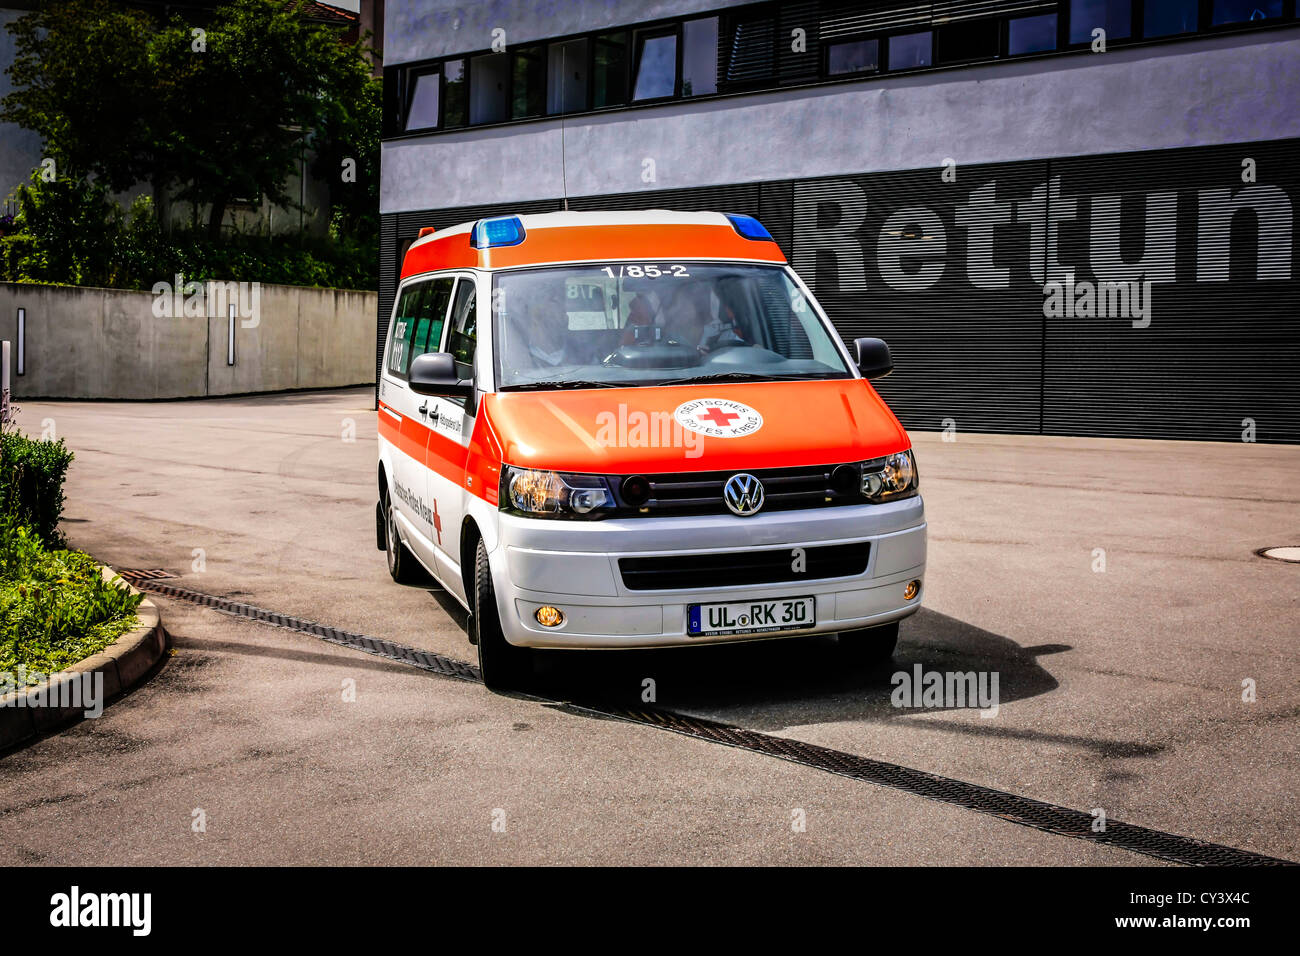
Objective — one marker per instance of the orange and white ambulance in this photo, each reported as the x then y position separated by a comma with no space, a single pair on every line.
639,429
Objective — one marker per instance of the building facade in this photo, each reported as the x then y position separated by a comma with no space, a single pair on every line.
1066,217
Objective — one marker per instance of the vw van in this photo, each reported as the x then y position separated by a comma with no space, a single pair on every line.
636,430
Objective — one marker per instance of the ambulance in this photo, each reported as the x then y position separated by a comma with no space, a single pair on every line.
638,430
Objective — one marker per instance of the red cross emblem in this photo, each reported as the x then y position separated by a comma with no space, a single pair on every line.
717,416
437,521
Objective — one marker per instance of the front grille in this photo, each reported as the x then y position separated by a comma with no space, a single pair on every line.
739,568
784,489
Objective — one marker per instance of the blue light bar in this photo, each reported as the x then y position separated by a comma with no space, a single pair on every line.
750,228
505,231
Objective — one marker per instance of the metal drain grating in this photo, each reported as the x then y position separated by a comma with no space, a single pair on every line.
1011,807
425,660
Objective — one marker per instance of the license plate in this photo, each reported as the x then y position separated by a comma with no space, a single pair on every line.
752,617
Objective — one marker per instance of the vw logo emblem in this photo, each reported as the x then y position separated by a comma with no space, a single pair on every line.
743,494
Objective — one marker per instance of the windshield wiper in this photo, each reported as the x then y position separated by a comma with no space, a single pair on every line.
741,377
557,384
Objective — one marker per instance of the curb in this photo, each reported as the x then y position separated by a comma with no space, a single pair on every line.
123,664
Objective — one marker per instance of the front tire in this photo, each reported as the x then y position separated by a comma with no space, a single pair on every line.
872,645
503,666
402,565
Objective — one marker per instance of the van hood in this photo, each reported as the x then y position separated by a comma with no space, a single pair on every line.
628,431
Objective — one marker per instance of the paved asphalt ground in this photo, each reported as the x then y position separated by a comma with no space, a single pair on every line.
1121,690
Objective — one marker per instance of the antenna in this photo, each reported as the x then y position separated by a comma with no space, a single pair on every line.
564,173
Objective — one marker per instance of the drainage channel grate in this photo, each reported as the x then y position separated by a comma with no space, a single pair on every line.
425,660
1047,817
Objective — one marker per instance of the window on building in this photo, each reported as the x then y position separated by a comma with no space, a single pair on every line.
1165,18
853,56
609,71
1032,34
1243,11
908,51
422,113
966,40
1113,16
487,88
656,66
700,57
566,88
750,43
528,82
455,107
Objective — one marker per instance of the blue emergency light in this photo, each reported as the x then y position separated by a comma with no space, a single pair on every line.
750,228
504,231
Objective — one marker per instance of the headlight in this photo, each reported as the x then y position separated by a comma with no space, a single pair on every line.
550,494
891,477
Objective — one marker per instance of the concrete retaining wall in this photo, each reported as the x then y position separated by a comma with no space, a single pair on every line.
109,344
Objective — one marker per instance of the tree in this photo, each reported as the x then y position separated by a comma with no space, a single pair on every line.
208,112
81,80
248,101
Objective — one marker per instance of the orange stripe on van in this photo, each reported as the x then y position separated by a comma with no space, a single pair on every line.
648,242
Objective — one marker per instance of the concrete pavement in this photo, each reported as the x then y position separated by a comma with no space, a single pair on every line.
1121,689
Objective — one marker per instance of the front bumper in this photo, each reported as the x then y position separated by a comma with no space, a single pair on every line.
573,565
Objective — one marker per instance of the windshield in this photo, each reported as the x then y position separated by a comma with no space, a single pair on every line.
656,323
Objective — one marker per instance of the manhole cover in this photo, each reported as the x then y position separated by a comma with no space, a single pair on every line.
1291,554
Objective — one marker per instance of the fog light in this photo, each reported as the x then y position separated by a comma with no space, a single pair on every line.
548,616
912,590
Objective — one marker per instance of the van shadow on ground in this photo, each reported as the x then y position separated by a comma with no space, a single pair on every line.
769,685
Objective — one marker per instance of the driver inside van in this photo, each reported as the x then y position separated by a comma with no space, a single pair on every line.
539,331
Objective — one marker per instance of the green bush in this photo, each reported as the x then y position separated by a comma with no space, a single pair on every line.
70,232
55,606
31,483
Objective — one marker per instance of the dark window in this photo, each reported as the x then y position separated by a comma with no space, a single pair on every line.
528,86
455,108
1242,11
417,324
656,66
958,42
423,111
1032,34
854,56
1113,16
433,312
609,73
909,50
751,53
464,328
566,90
487,88
1165,18
700,56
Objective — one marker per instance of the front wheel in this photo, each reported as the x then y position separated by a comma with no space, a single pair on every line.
873,645
503,666
402,565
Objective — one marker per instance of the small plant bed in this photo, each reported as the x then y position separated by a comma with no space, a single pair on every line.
56,608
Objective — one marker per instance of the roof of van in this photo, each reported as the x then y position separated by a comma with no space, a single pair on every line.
653,235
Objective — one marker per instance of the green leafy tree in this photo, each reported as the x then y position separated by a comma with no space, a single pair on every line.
81,80
248,100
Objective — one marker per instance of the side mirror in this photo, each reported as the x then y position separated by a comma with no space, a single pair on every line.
873,357
434,373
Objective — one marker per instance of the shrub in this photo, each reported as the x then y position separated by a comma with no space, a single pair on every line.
55,606
31,483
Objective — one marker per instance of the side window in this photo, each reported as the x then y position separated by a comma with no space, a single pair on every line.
417,324
433,314
403,331
464,330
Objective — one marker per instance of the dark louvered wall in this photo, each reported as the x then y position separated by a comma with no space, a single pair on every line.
970,338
